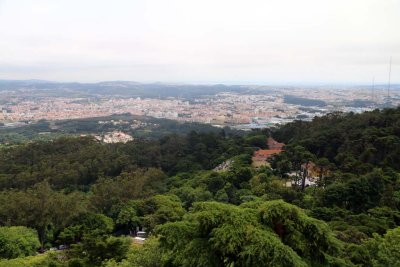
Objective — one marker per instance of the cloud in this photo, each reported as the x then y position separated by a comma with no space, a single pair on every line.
184,40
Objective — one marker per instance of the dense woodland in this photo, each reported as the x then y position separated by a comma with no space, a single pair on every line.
89,196
149,128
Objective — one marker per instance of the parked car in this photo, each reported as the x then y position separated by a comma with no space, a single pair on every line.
140,237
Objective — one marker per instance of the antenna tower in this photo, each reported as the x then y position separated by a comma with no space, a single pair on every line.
388,90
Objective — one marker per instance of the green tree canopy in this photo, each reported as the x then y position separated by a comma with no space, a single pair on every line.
18,241
274,233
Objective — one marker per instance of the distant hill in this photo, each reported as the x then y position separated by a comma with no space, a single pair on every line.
119,88
138,126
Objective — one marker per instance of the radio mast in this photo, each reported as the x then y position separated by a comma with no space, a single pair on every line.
388,90
373,90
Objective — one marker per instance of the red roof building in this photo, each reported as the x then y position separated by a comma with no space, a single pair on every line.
261,156
274,145
264,154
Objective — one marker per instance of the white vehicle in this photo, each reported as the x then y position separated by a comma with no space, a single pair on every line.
140,237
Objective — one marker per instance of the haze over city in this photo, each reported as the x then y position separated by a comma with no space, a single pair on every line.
242,42
180,133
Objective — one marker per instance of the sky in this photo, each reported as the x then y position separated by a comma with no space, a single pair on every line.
202,41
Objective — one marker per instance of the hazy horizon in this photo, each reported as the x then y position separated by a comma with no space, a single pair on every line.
226,83
201,42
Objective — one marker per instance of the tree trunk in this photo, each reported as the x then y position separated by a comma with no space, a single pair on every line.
303,180
42,233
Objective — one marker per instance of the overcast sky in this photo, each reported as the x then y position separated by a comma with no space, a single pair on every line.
246,41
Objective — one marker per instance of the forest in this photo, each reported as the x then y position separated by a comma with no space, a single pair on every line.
144,127
73,201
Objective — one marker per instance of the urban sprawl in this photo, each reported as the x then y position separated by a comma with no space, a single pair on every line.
240,110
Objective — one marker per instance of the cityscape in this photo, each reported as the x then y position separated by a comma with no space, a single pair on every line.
251,107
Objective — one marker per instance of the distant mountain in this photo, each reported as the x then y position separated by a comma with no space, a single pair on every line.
24,81
120,88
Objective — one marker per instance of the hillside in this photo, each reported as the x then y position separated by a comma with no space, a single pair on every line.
91,197
137,126
39,88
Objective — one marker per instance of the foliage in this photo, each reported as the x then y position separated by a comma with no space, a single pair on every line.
388,250
310,238
77,163
40,208
94,249
108,192
87,224
353,142
47,259
146,255
146,127
18,241
89,195
216,234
